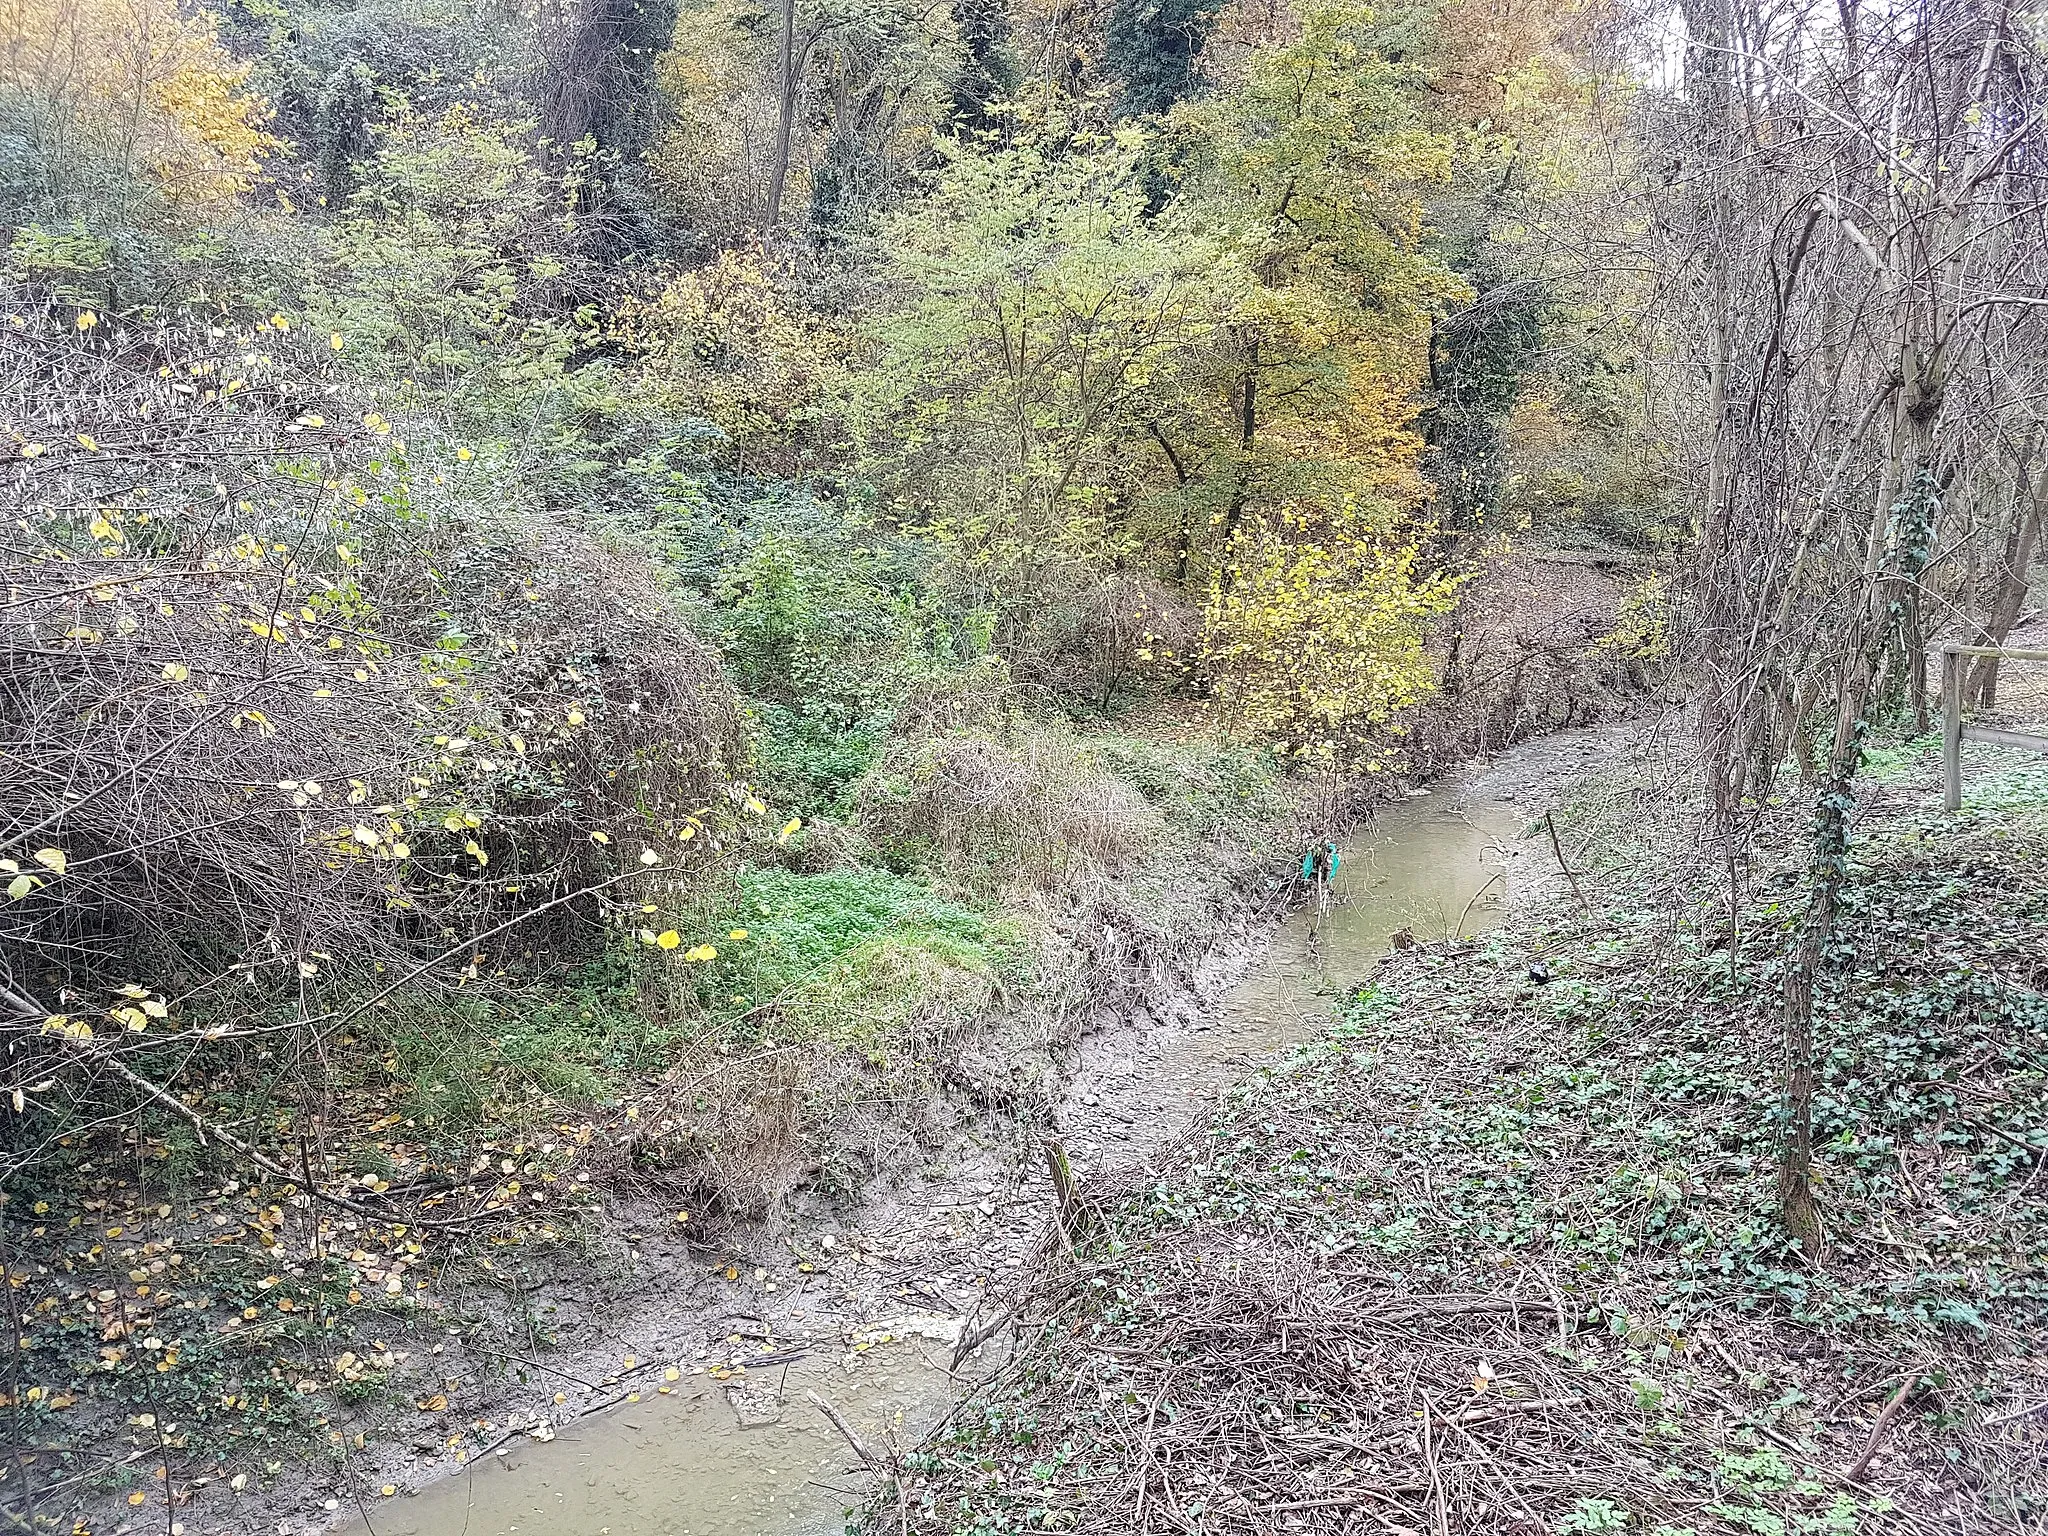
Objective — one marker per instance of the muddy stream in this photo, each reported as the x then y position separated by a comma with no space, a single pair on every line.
728,1438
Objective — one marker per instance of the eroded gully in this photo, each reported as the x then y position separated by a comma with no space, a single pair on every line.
723,1431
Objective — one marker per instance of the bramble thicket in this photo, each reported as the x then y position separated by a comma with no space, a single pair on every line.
663,601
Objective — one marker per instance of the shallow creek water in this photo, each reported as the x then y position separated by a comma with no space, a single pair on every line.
753,1454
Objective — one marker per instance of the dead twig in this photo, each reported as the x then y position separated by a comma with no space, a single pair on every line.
867,1457
1855,1470
1558,849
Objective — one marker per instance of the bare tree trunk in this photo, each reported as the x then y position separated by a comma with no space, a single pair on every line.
1828,862
1981,686
785,121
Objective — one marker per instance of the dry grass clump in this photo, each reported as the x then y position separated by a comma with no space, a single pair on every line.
1029,807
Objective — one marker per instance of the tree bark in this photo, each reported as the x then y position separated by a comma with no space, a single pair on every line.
785,121
1981,687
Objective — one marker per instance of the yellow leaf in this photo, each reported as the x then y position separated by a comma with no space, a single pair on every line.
32,450
670,939
86,321
20,886
176,672
789,828
600,838
464,454
51,859
335,341
702,952
737,934
85,441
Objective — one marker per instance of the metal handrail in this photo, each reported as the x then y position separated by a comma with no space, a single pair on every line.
1954,732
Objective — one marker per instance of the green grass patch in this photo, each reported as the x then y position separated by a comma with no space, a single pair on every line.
856,957
569,1036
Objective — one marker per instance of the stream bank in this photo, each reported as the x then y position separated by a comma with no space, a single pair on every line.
1499,1251
717,1430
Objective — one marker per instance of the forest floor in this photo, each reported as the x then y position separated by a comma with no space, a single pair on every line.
1496,1252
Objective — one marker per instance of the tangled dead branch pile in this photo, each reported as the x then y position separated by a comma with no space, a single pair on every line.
287,715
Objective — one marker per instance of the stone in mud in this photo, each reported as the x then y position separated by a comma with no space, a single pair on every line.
756,1406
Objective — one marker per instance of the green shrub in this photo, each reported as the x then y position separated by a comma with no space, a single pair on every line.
808,760
1198,787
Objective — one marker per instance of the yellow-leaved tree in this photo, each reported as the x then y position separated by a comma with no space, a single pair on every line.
128,123
734,345
1314,634
1180,363
142,80
1038,320
1309,531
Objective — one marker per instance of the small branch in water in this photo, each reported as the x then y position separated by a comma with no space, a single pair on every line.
1459,932
972,1339
499,1354
868,1457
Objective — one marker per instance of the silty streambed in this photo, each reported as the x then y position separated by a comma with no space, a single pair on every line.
750,1453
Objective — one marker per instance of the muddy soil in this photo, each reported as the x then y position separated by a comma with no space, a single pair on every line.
700,1398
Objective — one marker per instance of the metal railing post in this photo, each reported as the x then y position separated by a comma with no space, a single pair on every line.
1952,727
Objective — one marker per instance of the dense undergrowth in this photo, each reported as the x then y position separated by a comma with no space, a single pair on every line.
548,668
1500,1250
